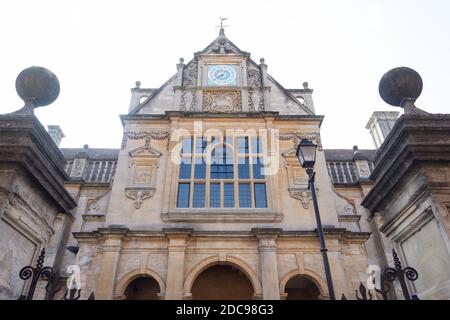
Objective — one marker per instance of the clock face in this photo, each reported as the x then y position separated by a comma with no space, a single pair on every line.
221,75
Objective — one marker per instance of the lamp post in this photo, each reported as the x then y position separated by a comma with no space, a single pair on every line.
306,154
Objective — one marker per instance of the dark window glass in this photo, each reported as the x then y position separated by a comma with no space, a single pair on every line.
185,168
214,195
245,198
244,168
183,195
200,144
200,168
222,163
257,145
228,195
258,169
187,145
260,195
242,145
199,195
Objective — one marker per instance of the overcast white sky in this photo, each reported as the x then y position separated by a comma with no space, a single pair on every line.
98,49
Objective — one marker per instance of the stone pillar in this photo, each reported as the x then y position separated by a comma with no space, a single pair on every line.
268,257
108,266
265,84
56,134
80,164
180,69
175,262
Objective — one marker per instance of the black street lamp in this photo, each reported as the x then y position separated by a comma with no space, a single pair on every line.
306,154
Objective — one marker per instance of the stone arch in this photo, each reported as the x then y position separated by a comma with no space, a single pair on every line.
134,274
229,260
310,275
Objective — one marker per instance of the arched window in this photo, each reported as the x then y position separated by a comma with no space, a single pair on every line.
227,173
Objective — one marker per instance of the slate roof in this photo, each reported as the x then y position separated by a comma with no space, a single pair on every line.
94,153
347,154
112,154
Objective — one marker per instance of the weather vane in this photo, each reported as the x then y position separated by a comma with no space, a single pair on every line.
221,23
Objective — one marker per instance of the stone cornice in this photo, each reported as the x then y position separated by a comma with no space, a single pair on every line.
253,115
414,140
26,143
332,233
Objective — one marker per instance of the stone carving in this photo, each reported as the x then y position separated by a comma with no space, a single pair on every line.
142,175
303,195
363,169
222,101
255,101
148,135
253,76
188,101
300,176
296,137
139,195
78,168
92,206
190,73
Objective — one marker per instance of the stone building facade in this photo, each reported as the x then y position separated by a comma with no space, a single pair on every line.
205,198
184,200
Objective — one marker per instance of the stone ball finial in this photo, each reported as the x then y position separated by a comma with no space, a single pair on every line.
37,86
305,85
138,84
86,146
400,84
262,60
181,60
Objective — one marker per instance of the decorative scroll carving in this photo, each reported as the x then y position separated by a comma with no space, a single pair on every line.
222,101
139,195
253,76
303,195
255,101
296,137
188,101
190,73
148,135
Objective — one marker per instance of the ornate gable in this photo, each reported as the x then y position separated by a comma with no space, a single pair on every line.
223,79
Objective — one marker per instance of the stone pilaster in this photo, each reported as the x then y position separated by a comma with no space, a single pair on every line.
268,258
175,262
111,252
265,84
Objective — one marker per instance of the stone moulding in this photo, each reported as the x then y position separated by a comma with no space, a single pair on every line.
138,195
296,137
207,215
148,135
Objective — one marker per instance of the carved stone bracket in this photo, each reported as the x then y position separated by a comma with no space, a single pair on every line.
304,195
138,195
296,137
148,135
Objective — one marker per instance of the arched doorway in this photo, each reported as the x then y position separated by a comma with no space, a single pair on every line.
301,288
222,282
142,288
